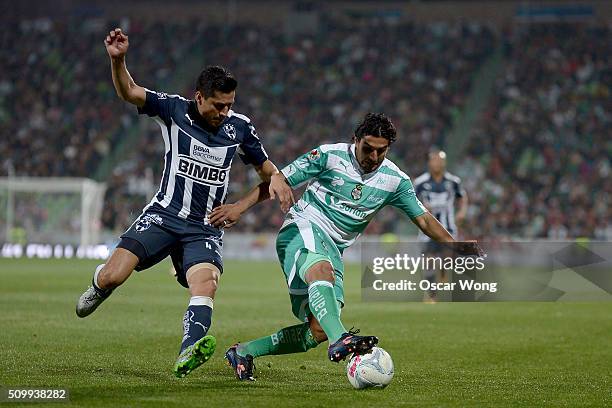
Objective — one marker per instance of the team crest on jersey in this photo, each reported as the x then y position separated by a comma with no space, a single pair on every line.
230,131
357,191
144,223
314,155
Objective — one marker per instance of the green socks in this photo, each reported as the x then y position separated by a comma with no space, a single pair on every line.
293,339
324,306
297,339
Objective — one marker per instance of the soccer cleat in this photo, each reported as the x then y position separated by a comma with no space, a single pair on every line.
350,343
89,301
194,356
243,366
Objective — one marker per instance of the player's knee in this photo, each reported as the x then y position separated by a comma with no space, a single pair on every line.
321,271
117,269
317,331
203,281
111,276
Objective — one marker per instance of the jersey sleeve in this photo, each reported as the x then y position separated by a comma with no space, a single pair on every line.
251,151
418,189
406,200
157,104
305,167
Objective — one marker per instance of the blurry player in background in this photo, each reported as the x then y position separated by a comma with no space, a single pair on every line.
439,191
348,184
201,138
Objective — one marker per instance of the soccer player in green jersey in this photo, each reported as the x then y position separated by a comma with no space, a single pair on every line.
348,184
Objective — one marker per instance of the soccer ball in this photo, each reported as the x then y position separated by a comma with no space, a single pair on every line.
374,369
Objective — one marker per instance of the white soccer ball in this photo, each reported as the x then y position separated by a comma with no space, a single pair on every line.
374,369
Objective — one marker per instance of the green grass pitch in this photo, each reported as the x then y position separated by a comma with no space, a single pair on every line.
486,354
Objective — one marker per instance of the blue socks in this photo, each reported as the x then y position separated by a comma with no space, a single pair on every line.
197,319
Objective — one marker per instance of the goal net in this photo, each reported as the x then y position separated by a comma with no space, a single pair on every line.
50,210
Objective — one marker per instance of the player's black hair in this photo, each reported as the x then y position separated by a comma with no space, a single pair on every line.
215,78
376,124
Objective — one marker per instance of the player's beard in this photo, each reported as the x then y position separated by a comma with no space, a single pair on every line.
369,166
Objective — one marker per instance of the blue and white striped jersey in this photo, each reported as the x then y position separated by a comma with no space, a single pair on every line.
439,198
197,157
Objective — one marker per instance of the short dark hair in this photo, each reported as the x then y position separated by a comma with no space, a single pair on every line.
376,124
215,78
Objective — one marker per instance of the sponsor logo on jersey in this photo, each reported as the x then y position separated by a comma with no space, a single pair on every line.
302,163
334,202
144,223
314,154
253,131
374,199
291,170
203,152
357,191
230,131
189,119
337,181
200,172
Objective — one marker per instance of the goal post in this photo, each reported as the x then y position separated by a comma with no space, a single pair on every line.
51,210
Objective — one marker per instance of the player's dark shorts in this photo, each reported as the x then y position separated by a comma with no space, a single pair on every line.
155,235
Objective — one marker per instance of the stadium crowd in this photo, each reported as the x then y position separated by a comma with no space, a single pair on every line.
310,90
56,99
537,165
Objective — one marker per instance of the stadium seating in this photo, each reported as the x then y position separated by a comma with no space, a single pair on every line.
312,90
537,164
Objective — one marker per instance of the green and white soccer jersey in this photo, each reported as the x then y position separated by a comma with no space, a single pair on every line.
335,209
341,199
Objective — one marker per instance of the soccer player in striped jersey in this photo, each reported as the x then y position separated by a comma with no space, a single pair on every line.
439,191
201,138
348,185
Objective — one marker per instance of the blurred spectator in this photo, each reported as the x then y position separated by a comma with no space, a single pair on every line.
543,147
307,91
538,163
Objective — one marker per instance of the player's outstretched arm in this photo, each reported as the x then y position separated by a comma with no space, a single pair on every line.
227,215
278,187
274,184
117,44
432,228
436,231
462,213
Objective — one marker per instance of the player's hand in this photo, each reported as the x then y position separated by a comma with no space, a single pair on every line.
465,248
116,43
279,188
225,216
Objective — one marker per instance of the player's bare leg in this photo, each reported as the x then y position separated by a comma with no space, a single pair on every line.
197,347
107,277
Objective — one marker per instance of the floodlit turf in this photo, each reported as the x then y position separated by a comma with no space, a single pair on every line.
503,354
